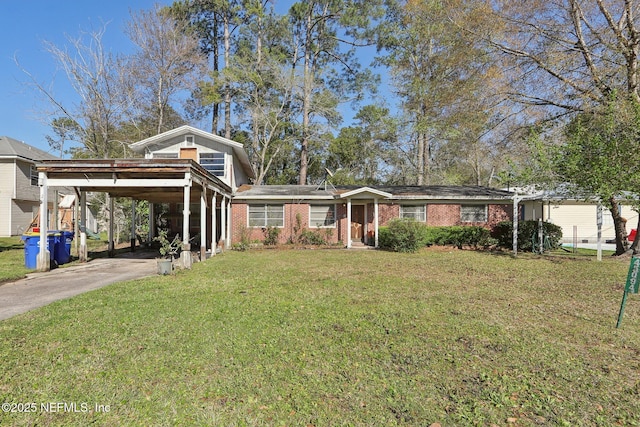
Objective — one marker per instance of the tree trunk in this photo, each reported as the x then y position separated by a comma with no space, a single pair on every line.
227,88
306,105
420,160
619,225
215,112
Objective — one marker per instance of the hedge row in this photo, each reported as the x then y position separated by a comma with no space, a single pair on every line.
408,235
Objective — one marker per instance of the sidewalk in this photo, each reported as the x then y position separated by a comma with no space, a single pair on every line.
40,289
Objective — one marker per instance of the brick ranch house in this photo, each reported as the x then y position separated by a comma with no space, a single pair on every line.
205,181
352,214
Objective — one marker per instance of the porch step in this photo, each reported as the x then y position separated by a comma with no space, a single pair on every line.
360,245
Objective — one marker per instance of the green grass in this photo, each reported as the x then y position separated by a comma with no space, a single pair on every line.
334,337
11,259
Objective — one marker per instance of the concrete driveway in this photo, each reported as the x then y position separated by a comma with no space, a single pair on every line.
40,289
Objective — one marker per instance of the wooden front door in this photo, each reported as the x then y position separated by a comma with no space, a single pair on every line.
357,223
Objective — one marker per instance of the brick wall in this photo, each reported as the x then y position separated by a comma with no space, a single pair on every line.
499,213
291,213
439,215
387,212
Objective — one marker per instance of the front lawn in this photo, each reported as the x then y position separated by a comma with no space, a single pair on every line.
11,259
335,337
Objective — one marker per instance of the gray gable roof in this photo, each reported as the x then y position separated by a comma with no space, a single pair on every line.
12,148
397,192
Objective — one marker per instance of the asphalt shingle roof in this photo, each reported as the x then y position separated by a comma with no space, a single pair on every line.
398,191
10,147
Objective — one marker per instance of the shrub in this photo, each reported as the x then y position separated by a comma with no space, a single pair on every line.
243,245
527,234
458,236
402,235
271,235
407,235
308,237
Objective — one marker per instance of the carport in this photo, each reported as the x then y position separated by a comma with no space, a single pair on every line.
154,180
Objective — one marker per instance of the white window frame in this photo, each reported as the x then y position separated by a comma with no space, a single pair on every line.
220,169
265,219
329,222
465,216
189,140
406,213
34,177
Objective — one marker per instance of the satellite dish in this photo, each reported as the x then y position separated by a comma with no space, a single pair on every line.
325,181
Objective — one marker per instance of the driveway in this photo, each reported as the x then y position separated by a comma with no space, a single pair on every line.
40,289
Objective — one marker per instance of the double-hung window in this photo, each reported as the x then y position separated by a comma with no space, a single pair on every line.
473,213
213,162
417,212
322,215
266,215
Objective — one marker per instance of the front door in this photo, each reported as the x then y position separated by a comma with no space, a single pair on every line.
357,223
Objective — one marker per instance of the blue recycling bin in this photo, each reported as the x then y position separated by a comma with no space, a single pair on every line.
32,248
66,238
60,253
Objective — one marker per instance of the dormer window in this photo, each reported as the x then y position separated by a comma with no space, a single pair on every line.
213,162
189,140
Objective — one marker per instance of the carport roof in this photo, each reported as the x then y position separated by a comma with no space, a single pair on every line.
156,180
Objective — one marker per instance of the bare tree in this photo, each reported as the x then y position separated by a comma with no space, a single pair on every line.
101,98
167,63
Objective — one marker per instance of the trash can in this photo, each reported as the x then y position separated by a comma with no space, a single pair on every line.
32,248
67,238
60,253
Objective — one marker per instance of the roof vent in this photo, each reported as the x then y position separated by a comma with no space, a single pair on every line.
189,140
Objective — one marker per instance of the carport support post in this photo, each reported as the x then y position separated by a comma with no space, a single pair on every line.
223,221
43,262
133,225
56,210
348,223
203,224
185,255
214,231
227,243
112,251
375,221
152,223
83,227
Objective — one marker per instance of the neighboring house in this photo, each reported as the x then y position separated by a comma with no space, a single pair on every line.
67,214
19,190
577,218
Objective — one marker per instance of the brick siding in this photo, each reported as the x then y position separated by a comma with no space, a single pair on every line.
438,214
